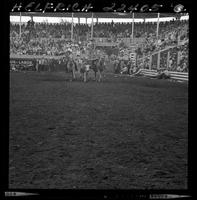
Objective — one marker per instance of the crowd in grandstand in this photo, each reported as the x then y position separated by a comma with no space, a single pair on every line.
169,35
54,39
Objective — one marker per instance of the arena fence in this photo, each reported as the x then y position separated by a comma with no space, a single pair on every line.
24,57
162,58
179,76
147,72
28,61
173,75
170,58
110,42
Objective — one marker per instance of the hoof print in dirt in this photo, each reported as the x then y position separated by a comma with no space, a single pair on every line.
105,177
90,168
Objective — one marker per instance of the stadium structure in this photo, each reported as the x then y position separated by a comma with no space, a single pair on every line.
149,45
124,127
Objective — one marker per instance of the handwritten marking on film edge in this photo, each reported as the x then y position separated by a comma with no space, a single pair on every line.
76,7
51,7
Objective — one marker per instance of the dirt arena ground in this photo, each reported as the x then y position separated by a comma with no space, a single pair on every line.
122,133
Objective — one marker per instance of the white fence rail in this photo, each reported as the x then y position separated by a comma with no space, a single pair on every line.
179,76
182,76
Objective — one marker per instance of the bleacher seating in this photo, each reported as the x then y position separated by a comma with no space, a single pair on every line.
54,39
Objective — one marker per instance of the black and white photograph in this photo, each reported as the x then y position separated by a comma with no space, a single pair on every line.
98,100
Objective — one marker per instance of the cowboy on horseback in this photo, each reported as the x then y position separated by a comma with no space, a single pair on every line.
98,65
85,68
71,66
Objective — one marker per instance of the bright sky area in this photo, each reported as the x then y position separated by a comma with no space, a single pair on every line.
24,19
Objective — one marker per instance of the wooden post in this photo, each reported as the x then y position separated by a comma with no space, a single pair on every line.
143,61
133,28
20,26
178,58
92,25
150,62
168,58
72,29
158,60
157,33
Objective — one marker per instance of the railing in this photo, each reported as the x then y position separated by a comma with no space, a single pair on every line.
26,57
179,76
160,59
99,41
128,41
107,44
153,60
147,72
173,75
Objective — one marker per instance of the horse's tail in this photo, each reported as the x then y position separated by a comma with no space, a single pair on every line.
101,66
76,68
95,67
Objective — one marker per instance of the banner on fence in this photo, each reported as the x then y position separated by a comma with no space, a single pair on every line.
22,63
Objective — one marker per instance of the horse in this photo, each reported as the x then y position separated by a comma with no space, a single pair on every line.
98,65
71,66
84,68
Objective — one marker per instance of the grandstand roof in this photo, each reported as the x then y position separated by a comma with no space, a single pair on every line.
98,14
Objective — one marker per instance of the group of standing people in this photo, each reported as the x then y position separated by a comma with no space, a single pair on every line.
124,66
72,64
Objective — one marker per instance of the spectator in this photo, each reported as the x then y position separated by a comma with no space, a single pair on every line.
53,39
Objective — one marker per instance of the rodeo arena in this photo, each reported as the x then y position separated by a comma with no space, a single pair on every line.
98,100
